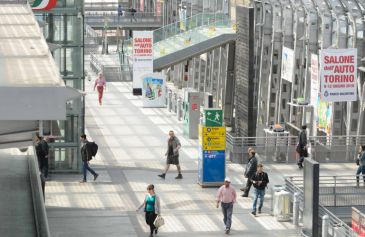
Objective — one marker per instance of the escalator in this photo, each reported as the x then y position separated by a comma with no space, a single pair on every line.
22,211
186,39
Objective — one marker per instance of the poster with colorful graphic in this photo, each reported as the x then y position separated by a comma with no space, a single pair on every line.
339,75
324,116
287,64
314,80
142,56
154,95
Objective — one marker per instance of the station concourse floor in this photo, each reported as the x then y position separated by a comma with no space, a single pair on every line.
132,143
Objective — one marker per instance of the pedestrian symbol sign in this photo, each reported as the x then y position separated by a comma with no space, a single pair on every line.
213,117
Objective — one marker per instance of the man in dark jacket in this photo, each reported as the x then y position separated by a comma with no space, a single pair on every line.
260,180
302,146
86,156
42,151
250,170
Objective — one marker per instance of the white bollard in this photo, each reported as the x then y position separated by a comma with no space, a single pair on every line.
325,225
169,101
296,209
179,109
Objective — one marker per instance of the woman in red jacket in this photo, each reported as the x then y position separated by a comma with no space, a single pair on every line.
100,84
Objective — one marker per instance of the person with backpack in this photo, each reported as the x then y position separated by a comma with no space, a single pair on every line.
151,206
88,150
42,151
172,153
259,180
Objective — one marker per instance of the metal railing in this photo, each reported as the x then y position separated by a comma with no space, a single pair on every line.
280,147
113,19
336,227
196,21
40,214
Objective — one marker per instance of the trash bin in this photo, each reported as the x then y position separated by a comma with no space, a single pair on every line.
274,189
282,205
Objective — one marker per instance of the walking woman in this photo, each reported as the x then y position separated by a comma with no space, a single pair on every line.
100,84
151,206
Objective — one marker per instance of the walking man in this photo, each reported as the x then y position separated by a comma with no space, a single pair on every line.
302,146
260,180
250,170
42,151
172,153
226,195
86,156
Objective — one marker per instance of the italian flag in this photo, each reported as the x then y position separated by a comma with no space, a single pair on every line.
44,5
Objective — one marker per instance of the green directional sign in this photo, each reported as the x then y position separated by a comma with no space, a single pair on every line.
213,117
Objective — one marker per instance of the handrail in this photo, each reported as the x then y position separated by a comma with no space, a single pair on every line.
39,208
190,23
336,224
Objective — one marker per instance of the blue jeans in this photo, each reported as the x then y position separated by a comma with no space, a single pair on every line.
360,170
227,209
86,168
258,193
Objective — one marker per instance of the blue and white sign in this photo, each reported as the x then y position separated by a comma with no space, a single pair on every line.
212,167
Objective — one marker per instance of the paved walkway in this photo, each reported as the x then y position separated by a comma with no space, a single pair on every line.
132,142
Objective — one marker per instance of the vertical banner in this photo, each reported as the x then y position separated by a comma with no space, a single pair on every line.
141,5
142,58
339,75
154,90
287,64
355,222
158,7
324,116
314,80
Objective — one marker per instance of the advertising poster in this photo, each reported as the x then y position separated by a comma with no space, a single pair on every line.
314,79
287,64
355,223
158,7
338,75
142,56
362,225
154,95
324,116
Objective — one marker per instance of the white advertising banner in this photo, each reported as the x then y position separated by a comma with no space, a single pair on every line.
287,64
154,90
339,75
142,56
314,80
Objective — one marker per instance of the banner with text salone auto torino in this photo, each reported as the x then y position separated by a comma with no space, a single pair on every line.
338,75
142,56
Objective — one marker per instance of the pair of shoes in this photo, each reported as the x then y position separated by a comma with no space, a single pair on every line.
244,195
253,213
156,230
179,176
243,189
259,211
83,181
162,176
96,176
227,231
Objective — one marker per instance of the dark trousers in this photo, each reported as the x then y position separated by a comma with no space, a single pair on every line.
360,170
227,210
43,166
150,219
86,168
248,185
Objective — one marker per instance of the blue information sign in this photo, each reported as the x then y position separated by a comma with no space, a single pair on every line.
211,166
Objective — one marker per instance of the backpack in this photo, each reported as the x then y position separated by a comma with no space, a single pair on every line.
93,149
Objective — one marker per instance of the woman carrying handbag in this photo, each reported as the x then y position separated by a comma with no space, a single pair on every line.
151,206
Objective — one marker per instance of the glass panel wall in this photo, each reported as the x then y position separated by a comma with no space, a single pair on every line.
63,26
